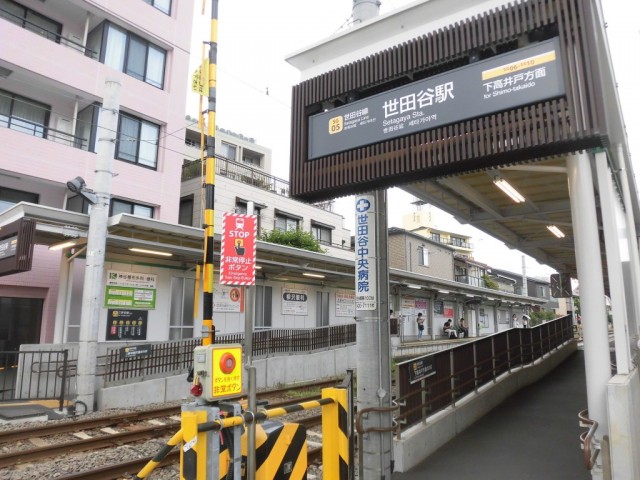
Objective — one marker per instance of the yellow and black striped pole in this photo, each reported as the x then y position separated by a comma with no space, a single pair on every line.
335,434
208,329
160,456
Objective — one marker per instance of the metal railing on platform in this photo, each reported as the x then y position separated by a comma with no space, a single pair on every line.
41,375
174,357
433,382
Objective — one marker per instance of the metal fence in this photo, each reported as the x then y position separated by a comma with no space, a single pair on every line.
175,357
42,375
433,382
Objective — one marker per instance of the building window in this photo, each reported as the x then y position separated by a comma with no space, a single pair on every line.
163,5
423,256
241,207
181,310
23,114
9,197
20,323
228,151
435,237
86,127
321,233
322,309
30,20
128,53
251,158
459,242
286,223
542,292
262,313
78,204
137,141
185,214
122,206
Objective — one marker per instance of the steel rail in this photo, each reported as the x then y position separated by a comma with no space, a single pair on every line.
24,456
90,423
111,472
84,424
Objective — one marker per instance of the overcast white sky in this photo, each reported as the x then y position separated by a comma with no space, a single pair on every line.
254,84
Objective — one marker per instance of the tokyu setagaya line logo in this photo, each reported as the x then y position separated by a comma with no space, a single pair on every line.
335,125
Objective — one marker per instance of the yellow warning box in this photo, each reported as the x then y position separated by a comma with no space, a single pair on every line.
219,369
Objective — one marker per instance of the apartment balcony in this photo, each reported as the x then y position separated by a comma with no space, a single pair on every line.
470,280
240,173
41,63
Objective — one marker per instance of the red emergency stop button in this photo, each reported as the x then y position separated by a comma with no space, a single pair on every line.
227,363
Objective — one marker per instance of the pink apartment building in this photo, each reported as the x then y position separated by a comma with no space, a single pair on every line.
54,59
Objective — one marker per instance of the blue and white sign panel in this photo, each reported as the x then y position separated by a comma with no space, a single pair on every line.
366,275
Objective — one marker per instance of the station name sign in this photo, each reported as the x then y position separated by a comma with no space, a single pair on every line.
524,76
16,246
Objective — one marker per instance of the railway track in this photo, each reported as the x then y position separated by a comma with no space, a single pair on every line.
110,472
52,439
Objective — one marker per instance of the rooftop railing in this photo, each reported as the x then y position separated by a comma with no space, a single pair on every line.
240,173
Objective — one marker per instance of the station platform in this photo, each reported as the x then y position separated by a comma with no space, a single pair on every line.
531,436
41,410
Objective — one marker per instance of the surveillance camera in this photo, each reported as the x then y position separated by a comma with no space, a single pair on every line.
76,184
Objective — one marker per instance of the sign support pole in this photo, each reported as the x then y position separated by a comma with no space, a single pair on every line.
251,370
372,334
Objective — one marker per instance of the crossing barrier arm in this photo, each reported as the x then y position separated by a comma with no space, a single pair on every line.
161,455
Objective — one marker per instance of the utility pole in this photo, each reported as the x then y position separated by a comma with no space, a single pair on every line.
372,336
96,244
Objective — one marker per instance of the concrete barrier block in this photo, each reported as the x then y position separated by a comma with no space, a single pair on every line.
134,395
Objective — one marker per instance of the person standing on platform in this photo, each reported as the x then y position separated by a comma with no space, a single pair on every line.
420,322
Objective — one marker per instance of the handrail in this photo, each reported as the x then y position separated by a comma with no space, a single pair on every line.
32,128
394,406
586,438
472,365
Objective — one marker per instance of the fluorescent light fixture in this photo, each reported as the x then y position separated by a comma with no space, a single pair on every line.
507,188
65,244
555,230
258,267
313,275
151,252
414,286
443,291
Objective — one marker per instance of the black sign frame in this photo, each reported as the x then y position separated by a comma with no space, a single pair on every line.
18,237
126,324
524,76
421,368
